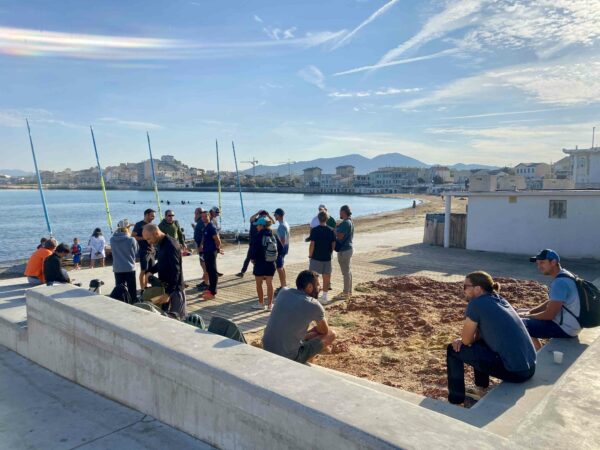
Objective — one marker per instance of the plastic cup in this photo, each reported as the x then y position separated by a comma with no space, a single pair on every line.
558,357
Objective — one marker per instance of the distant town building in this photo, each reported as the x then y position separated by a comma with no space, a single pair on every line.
312,176
344,171
511,183
394,179
585,165
483,181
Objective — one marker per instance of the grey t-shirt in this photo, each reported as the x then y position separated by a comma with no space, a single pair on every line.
292,314
564,290
503,331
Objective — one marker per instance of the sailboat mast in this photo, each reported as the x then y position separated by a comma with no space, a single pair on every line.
238,182
39,179
219,181
102,184
153,176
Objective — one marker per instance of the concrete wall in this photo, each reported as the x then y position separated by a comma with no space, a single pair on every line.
228,394
520,224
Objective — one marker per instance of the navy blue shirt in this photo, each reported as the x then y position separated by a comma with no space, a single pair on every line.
198,233
209,242
503,331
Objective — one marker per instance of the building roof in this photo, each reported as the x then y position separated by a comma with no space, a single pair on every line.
542,193
581,150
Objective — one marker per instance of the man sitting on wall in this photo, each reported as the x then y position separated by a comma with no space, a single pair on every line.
53,271
287,331
557,316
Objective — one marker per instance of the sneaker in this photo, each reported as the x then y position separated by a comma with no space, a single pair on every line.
202,284
202,288
270,308
208,295
277,291
219,274
240,275
258,305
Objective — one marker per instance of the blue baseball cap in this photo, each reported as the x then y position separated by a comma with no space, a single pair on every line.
546,254
261,221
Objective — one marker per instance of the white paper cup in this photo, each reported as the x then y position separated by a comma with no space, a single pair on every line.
558,357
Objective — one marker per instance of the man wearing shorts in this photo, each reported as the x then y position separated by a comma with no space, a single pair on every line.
283,242
322,244
287,332
146,250
557,316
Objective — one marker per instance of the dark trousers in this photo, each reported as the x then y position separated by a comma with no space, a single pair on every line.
485,363
210,260
246,261
129,279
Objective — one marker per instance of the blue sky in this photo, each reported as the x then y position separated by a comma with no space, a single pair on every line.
491,82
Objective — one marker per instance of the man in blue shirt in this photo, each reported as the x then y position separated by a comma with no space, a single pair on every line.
493,341
557,316
210,247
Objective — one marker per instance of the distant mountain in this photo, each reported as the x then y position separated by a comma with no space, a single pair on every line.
461,166
15,173
361,164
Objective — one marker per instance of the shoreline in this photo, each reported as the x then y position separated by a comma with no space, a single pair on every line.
396,219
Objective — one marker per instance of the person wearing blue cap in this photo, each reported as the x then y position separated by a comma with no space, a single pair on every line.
557,316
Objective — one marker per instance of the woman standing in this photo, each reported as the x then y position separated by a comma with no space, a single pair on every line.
263,254
97,246
344,233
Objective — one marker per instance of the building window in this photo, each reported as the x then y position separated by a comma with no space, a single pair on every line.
558,209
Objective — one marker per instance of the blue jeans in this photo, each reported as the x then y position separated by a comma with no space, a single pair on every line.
485,363
544,329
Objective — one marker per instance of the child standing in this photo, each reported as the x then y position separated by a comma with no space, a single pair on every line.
76,251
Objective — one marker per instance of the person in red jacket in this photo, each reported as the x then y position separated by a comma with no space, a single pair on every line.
34,271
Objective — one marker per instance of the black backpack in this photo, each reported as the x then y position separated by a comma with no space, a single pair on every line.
224,327
121,293
589,302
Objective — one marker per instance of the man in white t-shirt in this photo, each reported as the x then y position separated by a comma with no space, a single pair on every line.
556,317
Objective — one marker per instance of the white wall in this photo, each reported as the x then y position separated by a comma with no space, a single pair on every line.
494,224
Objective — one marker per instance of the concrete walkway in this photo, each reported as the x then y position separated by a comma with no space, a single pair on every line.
39,409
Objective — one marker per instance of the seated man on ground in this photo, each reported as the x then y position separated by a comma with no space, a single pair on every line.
35,266
494,340
53,270
556,317
287,332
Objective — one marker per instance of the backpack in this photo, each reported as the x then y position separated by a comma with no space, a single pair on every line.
589,302
270,248
224,327
121,293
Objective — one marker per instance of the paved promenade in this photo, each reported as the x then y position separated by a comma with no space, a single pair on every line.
377,255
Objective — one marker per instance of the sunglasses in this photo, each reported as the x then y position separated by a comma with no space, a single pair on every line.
170,215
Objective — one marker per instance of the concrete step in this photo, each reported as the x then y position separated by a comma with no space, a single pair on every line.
13,315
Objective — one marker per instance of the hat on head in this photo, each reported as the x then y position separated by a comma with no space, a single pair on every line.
322,206
124,224
261,221
546,254
263,212
279,212
216,210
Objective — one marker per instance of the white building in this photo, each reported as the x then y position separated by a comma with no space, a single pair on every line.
586,167
527,221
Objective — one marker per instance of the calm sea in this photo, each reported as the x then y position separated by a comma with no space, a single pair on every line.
77,213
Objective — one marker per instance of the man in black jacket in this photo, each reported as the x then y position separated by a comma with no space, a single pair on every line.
53,272
169,268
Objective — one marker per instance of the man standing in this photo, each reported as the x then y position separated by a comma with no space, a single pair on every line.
214,214
283,242
556,317
344,236
210,247
198,235
169,268
53,270
171,227
330,220
34,271
124,249
287,332
322,243
147,252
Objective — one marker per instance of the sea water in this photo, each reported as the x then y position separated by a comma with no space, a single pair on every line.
75,213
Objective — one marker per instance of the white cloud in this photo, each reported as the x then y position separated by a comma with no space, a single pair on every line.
25,42
373,93
15,118
502,113
279,33
458,14
397,62
370,19
564,82
313,75
132,124
257,19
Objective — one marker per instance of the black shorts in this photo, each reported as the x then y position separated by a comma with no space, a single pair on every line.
146,261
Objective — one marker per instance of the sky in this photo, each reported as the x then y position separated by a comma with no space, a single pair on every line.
445,81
